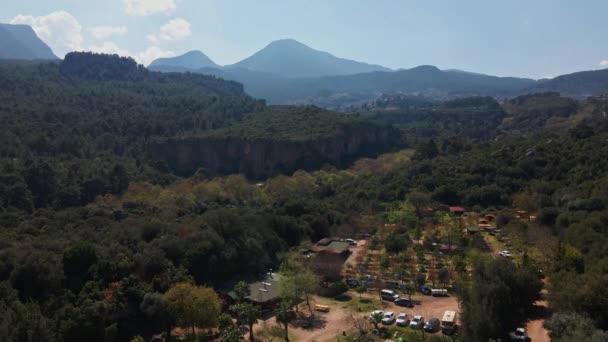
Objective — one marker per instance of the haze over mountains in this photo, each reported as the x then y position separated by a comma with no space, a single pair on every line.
289,72
21,42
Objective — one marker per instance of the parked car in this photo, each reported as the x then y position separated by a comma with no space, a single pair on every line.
402,320
518,335
389,318
505,254
404,302
426,290
351,242
417,322
432,325
388,295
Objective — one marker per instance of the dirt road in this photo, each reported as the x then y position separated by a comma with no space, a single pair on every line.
535,328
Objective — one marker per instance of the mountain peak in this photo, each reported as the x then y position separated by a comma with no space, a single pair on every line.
425,68
287,42
293,59
21,42
190,60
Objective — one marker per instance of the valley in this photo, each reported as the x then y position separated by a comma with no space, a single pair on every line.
293,195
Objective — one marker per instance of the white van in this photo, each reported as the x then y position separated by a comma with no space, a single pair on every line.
388,295
439,292
448,322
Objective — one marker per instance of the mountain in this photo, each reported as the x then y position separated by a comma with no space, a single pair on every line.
285,58
578,84
188,61
21,42
290,58
346,90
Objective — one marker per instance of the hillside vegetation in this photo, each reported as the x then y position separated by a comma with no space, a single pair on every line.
99,269
85,126
127,197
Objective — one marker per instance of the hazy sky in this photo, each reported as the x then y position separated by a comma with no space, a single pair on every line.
532,38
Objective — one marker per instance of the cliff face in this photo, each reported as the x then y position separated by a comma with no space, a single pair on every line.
262,158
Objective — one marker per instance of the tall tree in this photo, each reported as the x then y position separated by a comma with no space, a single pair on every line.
307,283
193,305
499,300
285,315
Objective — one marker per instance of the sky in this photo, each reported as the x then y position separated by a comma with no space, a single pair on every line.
523,38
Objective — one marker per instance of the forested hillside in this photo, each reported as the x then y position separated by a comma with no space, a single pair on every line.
86,126
280,139
100,270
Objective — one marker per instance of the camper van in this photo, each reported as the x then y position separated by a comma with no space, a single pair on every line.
448,322
388,295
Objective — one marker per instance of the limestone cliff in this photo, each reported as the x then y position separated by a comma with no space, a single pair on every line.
261,158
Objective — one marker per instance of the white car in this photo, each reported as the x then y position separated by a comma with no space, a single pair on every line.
402,320
417,322
505,254
518,335
351,242
389,318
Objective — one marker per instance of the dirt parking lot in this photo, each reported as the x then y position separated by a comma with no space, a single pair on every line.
427,306
329,326
326,326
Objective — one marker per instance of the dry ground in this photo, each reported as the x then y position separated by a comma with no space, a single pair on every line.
329,326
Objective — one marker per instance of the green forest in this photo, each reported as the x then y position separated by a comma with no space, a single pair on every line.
102,239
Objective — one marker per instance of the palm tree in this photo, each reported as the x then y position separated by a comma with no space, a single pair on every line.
248,314
285,314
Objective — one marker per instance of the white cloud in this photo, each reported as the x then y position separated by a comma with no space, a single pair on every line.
604,63
60,30
148,7
175,29
152,38
109,48
103,32
153,52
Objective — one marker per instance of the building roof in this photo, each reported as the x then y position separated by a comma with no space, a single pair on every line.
263,291
335,247
457,209
324,242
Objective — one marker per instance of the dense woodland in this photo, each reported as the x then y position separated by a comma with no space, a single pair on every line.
96,237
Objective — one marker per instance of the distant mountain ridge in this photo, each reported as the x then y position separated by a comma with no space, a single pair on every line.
283,58
289,72
20,42
578,84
